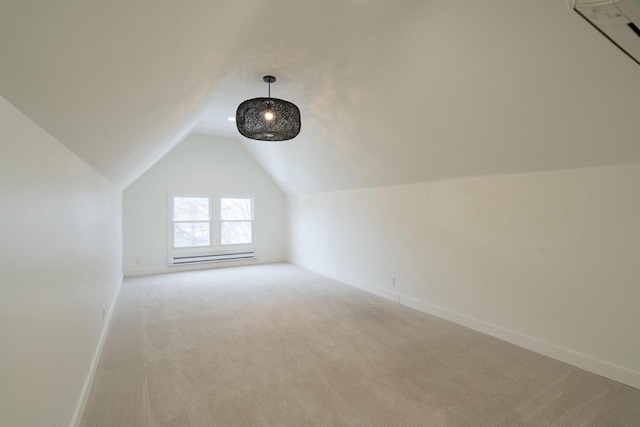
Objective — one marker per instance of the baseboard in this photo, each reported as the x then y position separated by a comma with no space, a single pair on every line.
174,269
582,361
579,360
88,382
381,292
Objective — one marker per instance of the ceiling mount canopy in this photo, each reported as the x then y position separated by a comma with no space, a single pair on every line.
268,119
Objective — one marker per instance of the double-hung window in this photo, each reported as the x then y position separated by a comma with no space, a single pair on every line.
200,221
236,220
191,221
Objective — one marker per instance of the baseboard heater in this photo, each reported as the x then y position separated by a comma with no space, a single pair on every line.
203,259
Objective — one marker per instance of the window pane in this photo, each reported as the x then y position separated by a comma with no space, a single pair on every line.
187,234
190,208
234,233
235,209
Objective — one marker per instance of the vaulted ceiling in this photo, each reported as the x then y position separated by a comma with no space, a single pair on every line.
391,92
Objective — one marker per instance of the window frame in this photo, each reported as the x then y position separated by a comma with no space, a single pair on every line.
172,222
220,220
215,237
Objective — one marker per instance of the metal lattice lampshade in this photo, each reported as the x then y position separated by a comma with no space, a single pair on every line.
268,119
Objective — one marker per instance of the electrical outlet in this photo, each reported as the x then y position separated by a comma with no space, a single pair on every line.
104,312
393,280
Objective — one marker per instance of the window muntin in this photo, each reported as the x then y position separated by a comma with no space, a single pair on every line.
191,221
236,220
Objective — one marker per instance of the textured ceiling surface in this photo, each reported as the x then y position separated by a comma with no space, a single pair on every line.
389,92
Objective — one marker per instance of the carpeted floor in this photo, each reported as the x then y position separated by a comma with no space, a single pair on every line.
275,345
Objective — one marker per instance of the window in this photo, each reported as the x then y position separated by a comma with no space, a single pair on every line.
191,221
236,220
205,222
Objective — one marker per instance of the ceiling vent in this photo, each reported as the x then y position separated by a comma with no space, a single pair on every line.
618,20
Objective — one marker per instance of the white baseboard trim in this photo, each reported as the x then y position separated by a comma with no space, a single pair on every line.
600,367
88,382
166,269
583,361
377,290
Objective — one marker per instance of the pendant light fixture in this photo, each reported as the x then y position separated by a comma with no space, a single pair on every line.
268,119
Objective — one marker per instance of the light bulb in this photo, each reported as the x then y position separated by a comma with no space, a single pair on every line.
268,115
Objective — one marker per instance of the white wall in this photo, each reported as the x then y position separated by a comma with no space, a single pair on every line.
550,261
60,263
201,164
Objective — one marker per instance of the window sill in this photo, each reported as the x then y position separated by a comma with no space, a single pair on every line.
212,249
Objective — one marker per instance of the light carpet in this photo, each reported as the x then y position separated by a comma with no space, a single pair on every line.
276,345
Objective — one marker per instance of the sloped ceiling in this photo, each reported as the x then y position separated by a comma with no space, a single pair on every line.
391,92
119,82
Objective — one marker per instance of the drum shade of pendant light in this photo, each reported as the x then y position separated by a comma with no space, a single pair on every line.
268,119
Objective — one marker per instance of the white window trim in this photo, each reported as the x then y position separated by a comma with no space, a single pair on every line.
252,220
172,221
215,245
